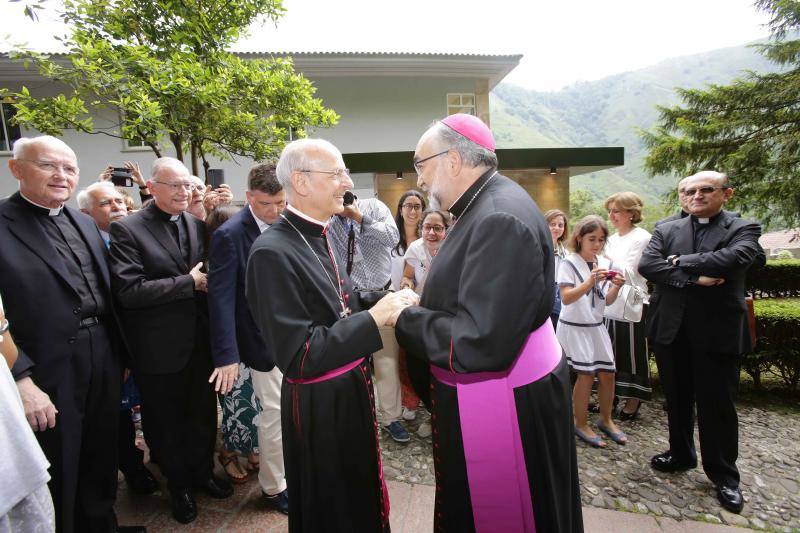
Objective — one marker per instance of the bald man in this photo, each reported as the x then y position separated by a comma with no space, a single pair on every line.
55,286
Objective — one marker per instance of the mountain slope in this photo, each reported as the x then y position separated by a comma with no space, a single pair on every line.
611,111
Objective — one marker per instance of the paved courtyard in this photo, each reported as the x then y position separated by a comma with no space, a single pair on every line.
619,490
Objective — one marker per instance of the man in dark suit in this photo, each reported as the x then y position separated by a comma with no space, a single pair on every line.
235,337
55,285
156,260
698,328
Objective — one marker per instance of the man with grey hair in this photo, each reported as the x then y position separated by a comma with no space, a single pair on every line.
157,256
503,439
104,203
698,327
315,325
55,285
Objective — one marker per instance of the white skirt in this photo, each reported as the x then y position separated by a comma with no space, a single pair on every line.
588,348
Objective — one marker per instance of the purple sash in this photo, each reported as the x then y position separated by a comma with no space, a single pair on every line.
498,480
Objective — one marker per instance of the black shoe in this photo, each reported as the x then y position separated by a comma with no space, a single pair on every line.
216,487
666,462
626,416
131,529
730,498
184,508
141,481
279,502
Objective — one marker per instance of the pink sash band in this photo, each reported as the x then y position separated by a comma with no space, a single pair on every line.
327,375
496,473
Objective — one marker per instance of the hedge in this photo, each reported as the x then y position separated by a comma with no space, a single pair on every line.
778,341
779,278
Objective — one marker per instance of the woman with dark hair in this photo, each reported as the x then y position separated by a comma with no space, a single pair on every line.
559,229
421,252
409,214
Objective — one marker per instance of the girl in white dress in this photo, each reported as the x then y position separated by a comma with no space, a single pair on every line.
587,284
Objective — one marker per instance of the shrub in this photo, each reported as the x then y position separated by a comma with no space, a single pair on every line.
778,341
779,278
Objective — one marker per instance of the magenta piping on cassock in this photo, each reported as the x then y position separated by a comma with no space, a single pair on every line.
496,473
327,375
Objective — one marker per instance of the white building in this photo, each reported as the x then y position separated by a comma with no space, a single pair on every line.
385,101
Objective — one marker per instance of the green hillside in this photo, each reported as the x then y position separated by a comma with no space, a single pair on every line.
610,111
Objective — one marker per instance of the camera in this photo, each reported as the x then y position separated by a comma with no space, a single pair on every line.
121,177
610,274
349,198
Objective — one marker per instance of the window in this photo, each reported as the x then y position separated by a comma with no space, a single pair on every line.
134,144
8,132
461,103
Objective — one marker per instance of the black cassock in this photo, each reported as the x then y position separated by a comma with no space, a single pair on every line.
488,288
330,434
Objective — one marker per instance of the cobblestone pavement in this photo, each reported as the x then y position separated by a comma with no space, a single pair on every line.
620,478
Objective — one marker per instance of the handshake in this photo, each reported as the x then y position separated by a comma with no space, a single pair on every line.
388,308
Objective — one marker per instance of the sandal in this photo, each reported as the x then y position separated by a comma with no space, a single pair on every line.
594,442
618,437
230,463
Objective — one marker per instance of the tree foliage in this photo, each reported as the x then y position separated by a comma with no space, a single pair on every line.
749,129
164,66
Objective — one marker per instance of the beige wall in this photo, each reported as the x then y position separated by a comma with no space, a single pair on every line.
549,192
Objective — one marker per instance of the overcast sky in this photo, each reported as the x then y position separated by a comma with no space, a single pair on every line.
562,41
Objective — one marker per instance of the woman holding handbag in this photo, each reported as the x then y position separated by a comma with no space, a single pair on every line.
628,338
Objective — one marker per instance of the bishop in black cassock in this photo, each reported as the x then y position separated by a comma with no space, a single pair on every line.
483,326
314,323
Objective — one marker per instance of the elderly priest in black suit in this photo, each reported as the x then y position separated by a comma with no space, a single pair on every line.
55,286
697,326
156,260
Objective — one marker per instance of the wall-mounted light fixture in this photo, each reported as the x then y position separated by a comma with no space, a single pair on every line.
553,171
399,175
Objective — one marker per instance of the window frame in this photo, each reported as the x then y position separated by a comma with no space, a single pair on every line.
459,108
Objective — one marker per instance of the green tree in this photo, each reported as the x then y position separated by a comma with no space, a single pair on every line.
582,203
749,129
165,68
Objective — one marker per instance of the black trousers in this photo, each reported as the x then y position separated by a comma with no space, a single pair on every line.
82,447
130,457
689,376
179,419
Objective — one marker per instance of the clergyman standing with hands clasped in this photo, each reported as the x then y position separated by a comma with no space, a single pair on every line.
312,320
156,260
698,329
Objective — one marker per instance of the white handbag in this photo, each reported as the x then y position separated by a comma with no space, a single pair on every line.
629,304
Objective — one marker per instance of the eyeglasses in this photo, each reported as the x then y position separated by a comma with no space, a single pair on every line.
338,174
702,190
435,228
50,166
418,162
412,207
177,186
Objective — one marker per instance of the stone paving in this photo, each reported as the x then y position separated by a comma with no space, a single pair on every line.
617,478
620,478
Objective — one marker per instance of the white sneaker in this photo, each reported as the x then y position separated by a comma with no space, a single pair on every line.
409,414
424,430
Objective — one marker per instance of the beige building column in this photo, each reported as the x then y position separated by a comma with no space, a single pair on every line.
549,191
482,100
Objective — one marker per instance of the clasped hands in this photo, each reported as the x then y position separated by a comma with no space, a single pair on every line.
388,308
614,276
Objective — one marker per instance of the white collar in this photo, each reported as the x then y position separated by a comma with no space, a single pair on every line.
262,226
702,220
52,211
306,217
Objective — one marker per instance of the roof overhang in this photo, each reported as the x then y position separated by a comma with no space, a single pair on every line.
348,64
576,160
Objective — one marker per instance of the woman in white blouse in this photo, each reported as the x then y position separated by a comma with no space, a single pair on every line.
629,340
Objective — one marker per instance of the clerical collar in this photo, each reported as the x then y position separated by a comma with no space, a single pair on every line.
307,218
262,226
163,215
700,220
460,205
42,210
